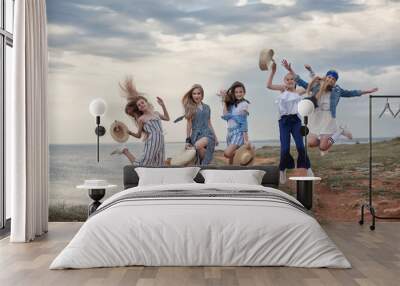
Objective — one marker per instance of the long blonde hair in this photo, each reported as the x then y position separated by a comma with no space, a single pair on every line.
322,89
133,96
129,89
188,103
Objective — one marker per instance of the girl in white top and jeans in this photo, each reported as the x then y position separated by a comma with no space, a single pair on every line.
289,124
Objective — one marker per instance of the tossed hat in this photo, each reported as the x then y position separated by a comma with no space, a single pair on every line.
186,157
244,155
119,131
266,56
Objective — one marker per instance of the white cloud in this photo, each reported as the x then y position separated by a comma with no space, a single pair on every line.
241,3
279,2
56,30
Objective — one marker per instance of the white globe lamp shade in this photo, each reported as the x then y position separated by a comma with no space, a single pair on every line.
305,107
97,107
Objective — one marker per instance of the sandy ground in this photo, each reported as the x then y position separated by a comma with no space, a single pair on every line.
345,180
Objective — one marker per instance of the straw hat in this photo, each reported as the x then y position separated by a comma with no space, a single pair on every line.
266,56
186,157
244,155
119,131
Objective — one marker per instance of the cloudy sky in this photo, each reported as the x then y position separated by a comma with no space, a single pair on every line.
167,46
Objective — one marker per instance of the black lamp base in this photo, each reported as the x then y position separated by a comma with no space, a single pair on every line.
96,195
305,193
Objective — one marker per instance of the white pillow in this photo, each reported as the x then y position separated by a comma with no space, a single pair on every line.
248,177
166,176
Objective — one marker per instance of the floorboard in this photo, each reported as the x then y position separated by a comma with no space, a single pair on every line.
374,255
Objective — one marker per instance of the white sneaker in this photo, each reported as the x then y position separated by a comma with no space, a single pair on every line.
310,173
282,177
118,151
346,132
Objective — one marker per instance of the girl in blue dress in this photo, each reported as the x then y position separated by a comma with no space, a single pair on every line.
199,130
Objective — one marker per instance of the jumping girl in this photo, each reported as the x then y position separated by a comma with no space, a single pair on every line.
289,123
235,112
199,130
325,94
149,125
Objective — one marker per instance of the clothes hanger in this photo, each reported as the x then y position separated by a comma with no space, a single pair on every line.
387,107
397,113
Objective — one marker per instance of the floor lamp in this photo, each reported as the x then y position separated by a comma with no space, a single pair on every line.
304,185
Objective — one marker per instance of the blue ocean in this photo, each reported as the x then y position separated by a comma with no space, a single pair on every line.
70,165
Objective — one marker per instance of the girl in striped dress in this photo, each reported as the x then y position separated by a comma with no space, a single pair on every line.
149,125
235,113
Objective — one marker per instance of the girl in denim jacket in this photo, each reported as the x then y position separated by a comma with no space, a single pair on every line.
325,94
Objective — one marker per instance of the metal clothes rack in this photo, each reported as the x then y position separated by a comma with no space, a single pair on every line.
368,205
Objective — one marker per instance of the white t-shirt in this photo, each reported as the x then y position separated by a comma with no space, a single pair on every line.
241,109
288,102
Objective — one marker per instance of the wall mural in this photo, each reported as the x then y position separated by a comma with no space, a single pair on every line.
155,83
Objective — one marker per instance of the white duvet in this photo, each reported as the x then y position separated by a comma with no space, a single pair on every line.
200,231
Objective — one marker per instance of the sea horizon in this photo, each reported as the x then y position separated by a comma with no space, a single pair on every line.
340,141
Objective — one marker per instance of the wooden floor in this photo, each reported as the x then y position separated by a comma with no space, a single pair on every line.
375,257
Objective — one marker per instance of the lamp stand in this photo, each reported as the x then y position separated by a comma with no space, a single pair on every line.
98,137
305,136
304,132
100,131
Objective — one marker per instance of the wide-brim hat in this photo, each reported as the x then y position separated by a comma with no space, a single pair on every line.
266,56
186,157
119,131
244,155
95,184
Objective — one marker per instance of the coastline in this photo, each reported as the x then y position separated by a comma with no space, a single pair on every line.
338,197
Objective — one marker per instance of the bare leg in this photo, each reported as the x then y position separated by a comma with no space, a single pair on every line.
200,146
325,143
312,140
129,155
230,152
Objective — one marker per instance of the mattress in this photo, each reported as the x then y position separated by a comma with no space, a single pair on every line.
201,225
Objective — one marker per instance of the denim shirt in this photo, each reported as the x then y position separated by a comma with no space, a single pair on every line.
336,93
241,121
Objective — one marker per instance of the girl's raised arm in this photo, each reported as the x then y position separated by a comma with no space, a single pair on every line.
164,116
271,77
310,70
314,81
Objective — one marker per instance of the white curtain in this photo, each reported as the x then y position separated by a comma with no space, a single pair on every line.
26,139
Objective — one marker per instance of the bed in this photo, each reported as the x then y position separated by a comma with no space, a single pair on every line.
199,224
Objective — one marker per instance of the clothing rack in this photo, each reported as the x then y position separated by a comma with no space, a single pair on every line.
369,205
